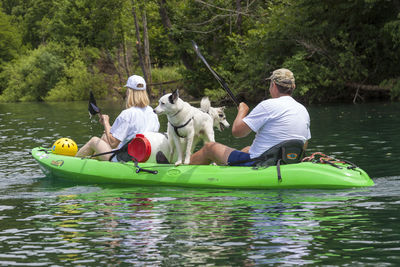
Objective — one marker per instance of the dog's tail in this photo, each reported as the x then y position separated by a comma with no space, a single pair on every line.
205,104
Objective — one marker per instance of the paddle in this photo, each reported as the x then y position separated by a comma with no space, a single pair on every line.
220,80
93,109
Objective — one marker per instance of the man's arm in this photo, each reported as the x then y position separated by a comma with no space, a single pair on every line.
240,128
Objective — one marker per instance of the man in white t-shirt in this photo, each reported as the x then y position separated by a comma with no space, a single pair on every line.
275,120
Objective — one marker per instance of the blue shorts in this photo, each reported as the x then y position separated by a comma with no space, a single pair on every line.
237,155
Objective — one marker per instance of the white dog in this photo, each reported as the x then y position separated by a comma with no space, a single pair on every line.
186,126
217,114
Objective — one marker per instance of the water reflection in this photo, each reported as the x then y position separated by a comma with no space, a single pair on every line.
46,222
164,226
173,226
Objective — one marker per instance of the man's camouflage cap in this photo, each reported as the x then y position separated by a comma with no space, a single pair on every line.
283,77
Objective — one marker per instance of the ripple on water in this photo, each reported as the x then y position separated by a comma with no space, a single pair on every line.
45,222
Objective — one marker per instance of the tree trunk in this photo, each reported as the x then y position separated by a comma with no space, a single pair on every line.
239,17
143,51
138,40
147,61
126,62
366,87
185,57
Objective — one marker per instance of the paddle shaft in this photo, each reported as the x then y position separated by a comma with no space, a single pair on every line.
138,168
220,80
105,133
93,106
101,154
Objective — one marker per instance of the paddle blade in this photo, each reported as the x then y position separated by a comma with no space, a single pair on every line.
93,109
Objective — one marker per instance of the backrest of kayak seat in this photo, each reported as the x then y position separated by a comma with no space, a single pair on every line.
289,152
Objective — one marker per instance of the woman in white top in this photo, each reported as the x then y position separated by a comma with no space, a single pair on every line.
138,117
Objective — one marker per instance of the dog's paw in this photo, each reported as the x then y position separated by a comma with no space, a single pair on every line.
179,162
186,162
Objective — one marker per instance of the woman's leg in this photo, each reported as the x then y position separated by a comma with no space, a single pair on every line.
211,152
95,146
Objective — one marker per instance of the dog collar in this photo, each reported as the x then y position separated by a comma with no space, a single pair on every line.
176,113
181,126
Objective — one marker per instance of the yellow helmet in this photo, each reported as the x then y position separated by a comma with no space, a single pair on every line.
64,146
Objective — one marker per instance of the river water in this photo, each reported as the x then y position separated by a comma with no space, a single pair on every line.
45,222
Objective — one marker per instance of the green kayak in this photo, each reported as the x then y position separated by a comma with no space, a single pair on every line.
301,175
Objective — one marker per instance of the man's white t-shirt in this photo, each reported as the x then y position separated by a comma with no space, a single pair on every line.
132,121
276,120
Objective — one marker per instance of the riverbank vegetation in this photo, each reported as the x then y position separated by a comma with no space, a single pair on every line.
339,50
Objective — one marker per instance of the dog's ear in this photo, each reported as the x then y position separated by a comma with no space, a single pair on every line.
223,108
174,96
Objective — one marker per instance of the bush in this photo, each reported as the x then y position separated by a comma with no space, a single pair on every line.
31,76
53,72
215,95
10,39
166,74
77,83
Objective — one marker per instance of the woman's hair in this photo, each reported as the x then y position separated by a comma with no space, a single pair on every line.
137,98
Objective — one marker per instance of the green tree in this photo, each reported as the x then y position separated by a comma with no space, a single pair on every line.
333,47
10,44
10,40
31,77
76,83
209,23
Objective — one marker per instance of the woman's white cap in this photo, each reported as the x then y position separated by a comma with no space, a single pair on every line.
136,82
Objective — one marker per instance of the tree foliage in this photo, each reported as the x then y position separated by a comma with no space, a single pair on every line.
32,76
338,49
10,40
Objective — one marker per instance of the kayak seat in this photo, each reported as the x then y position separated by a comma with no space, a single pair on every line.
286,152
122,153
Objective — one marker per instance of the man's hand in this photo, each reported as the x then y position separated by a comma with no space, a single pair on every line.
239,127
243,109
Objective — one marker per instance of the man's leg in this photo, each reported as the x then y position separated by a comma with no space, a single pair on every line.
211,152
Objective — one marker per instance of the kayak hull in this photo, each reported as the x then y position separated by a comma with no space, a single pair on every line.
301,175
